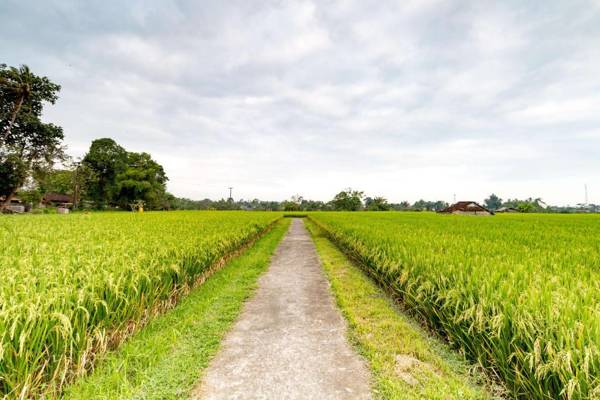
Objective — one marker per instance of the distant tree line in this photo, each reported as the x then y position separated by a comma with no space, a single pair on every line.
536,205
345,200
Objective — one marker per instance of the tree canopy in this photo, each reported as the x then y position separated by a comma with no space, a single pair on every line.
348,200
27,145
121,178
142,179
493,202
106,159
377,204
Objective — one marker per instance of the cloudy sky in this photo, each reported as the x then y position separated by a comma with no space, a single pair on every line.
405,99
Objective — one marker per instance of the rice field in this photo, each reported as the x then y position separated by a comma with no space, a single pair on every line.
74,286
518,294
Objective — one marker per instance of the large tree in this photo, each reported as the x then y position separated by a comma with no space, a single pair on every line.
106,159
377,204
27,144
348,200
22,92
143,179
493,202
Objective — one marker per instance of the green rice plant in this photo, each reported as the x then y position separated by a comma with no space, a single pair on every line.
519,294
73,286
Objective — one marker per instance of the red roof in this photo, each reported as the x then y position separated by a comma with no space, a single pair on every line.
466,206
57,198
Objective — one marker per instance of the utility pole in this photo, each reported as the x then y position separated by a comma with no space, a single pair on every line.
230,196
586,194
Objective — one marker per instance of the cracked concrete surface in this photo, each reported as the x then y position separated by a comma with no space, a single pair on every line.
289,342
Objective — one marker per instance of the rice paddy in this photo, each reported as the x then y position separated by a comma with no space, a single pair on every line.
73,287
518,294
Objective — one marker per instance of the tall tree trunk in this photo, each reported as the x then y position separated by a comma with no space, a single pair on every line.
13,117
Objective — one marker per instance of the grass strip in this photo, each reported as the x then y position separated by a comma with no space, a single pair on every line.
166,358
406,362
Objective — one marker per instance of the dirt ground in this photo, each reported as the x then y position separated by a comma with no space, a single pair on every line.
289,342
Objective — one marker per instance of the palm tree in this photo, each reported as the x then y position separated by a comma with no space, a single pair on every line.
18,82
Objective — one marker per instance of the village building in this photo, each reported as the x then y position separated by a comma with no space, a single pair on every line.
467,208
57,200
15,206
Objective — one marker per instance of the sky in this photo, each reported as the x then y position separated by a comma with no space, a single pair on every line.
402,99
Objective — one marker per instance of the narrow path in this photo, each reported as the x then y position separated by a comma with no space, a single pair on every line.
289,342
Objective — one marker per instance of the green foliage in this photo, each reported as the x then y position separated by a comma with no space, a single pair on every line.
119,178
423,205
31,197
348,200
13,172
143,179
294,204
493,202
57,181
22,93
106,159
528,205
516,293
377,204
75,285
402,206
27,145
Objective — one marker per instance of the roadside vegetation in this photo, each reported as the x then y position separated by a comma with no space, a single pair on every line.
518,294
74,287
166,358
406,362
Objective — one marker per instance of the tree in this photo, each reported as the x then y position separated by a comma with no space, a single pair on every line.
493,202
402,206
439,205
376,204
57,181
22,92
106,160
13,173
420,205
527,205
27,145
348,200
312,205
143,179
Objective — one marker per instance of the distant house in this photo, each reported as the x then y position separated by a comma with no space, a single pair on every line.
57,200
507,210
467,208
15,206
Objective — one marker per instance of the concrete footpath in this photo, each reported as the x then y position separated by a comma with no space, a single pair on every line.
289,342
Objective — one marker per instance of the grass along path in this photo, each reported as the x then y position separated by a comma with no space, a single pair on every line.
290,340
406,362
166,358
